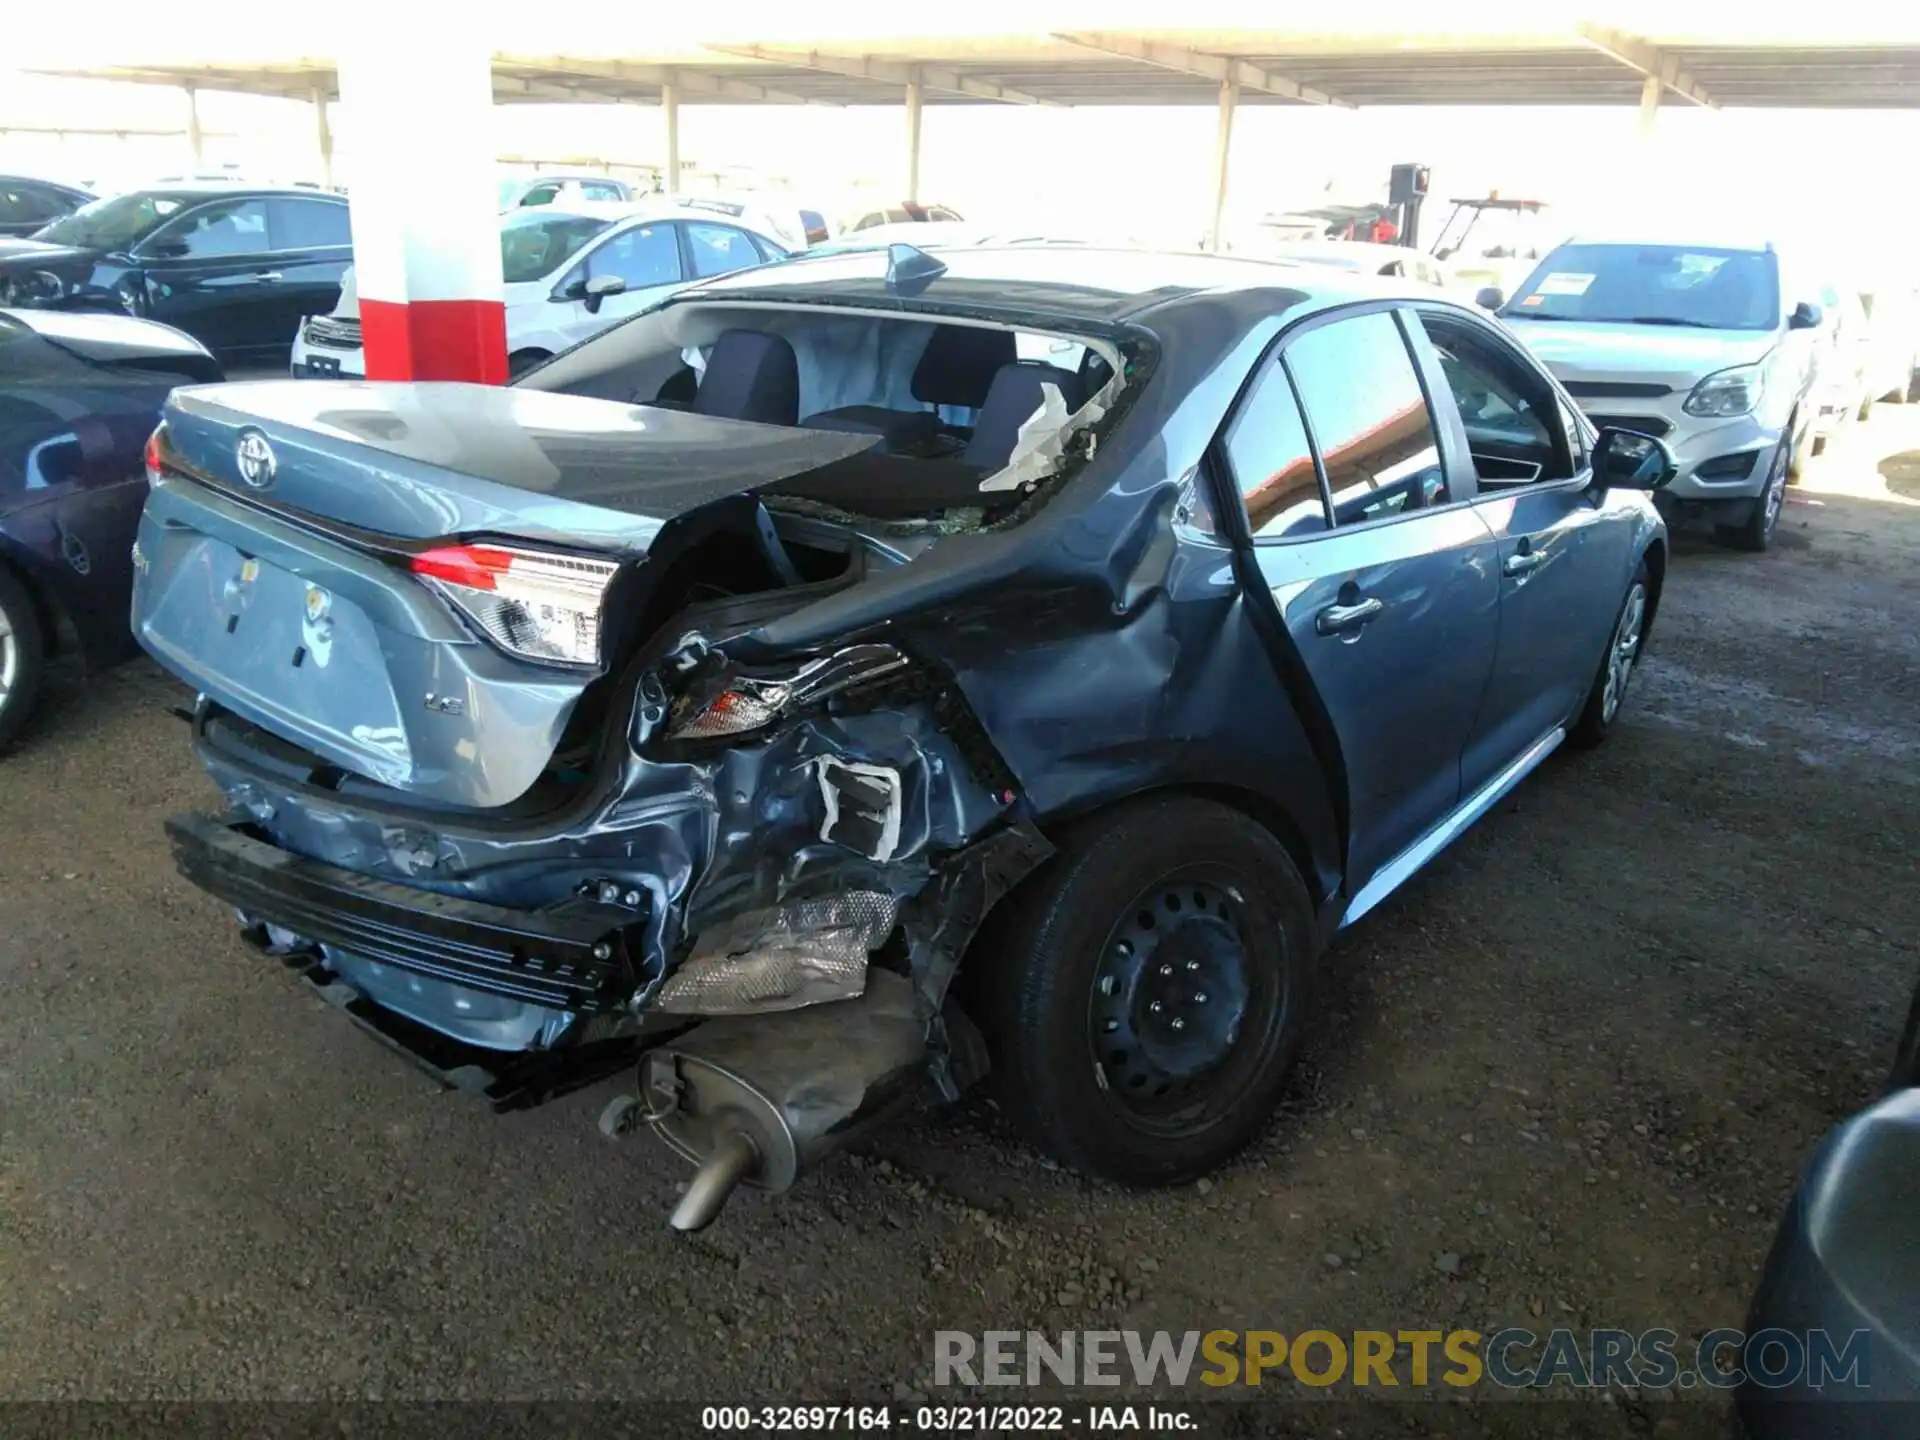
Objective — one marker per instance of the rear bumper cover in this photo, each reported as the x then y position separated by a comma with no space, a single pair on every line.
574,957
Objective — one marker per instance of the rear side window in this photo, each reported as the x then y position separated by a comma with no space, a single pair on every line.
1369,415
1272,462
719,249
601,190
307,224
21,204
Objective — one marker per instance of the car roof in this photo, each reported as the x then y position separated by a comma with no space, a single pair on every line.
1090,284
1677,239
223,190
12,178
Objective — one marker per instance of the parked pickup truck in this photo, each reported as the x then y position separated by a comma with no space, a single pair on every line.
797,697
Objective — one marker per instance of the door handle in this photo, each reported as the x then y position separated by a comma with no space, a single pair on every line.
268,276
1339,619
1522,562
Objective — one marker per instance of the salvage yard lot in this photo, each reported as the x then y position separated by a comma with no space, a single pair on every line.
1565,1077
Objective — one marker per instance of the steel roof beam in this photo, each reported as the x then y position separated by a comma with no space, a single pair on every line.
1649,60
691,82
887,72
1221,69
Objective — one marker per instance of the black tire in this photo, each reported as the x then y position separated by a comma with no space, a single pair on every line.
521,361
1906,1059
1090,968
1608,694
23,655
1755,534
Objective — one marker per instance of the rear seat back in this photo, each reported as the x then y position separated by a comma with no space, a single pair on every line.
1016,393
959,363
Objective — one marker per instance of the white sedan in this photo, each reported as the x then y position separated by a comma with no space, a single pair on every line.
568,272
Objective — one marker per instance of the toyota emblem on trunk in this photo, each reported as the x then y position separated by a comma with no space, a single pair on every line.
255,457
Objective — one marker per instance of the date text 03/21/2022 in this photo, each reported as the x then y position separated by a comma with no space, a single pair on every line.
943,1419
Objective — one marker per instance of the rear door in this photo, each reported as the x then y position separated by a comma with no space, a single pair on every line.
1564,551
1383,575
211,272
312,248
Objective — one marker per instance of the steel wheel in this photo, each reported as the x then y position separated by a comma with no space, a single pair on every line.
1624,650
1174,992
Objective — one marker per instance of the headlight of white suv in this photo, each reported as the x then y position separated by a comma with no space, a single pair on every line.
1726,392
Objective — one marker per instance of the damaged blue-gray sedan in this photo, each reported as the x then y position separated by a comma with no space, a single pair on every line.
860,677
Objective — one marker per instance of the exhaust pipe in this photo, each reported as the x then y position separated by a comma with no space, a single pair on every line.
759,1099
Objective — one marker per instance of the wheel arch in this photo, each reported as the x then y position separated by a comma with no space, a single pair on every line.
1654,557
47,609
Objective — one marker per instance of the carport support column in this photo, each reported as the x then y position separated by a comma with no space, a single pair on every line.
670,112
426,238
196,139
323,131
914,98
1650,90
1222,151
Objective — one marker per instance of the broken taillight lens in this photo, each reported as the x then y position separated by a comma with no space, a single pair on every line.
532,604
736,704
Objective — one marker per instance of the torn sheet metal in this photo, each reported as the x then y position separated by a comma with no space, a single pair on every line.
783,957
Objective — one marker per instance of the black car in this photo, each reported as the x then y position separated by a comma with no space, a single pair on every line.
234,267
1842,1284
79,397
27,204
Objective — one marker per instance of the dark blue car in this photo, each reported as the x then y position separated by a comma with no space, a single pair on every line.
880,666
79,397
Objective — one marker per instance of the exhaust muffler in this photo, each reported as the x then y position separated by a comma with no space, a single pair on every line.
759,1099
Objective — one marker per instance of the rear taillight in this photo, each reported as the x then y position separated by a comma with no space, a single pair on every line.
157,451
538,606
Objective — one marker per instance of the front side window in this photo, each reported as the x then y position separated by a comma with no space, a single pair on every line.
1509,415
23,204
229,227
1707,289
540,195
601,190
719,249
1369,416
1272,462
533,246
643,256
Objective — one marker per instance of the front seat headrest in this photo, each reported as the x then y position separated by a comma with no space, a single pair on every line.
750,376
959,363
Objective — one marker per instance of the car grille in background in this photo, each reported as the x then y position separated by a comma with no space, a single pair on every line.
1617,389
1645,424
333,330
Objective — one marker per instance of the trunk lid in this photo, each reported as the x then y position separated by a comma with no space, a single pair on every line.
272,566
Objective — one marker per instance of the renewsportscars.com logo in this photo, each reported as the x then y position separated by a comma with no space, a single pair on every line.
1512,1358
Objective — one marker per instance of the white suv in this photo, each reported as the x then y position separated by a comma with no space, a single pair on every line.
569,272
1702,345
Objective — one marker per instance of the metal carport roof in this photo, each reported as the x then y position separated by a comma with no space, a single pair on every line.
1577,65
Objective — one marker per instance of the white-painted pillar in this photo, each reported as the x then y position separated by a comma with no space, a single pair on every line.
1650,89
670,112
915,96
426,238
323,132
1222,154
196,139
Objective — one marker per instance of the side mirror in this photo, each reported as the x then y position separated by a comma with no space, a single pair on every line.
1805,316
1490,297
598,289
1631,461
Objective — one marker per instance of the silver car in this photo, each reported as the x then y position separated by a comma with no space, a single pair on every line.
1704,346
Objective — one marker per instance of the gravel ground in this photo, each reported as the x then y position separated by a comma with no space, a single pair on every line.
1565,1077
